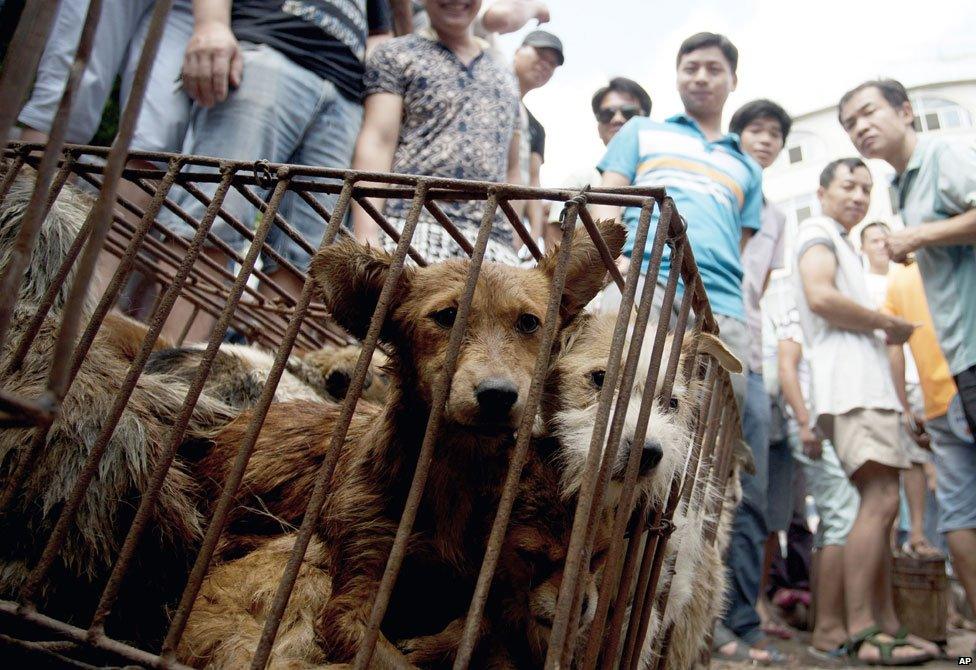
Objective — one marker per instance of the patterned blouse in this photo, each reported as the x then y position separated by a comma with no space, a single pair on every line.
458,121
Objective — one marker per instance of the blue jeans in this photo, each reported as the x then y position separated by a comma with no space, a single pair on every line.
119,40
745,558
285,114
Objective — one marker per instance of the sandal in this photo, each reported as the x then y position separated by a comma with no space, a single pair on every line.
834,658
741,652
902,634
886,648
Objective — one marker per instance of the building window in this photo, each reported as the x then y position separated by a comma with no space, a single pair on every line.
939,114
803,146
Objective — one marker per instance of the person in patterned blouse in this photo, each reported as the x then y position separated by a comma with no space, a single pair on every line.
440,102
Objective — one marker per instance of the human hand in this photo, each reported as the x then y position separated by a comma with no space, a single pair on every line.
915,425
901,243
541,13
812,443
213,63
897,331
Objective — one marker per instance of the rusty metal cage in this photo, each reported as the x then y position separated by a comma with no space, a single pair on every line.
637,575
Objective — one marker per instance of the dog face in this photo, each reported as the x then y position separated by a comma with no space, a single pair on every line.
573,397
504,329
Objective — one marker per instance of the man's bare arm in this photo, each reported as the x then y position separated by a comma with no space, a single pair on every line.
817,269
959,229
374,151
788,355
508,16
610,180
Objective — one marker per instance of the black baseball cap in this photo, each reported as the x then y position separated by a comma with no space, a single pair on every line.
542,39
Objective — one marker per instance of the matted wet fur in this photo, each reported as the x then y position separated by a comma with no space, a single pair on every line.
375,466
92,543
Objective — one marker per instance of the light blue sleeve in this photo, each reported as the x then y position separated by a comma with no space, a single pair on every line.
957,176
622,152
751,214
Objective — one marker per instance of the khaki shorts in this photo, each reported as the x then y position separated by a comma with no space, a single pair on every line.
863,435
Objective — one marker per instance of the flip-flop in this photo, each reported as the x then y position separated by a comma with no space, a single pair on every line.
902,634
835,658
886,657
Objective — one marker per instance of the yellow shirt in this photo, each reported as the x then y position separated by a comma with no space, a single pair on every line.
906,299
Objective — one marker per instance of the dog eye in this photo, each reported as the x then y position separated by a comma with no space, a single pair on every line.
445,317
597,377
673,403
527,324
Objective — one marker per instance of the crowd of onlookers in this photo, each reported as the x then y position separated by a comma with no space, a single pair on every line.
860,365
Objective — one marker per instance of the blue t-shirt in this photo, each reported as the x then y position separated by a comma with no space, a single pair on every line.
715,186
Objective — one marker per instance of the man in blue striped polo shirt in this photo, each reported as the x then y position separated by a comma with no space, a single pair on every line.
717,188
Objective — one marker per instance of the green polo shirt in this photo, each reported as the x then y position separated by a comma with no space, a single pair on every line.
939,183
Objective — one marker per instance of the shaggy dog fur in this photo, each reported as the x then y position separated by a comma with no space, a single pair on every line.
573,390
231,609
93,541
376,464
336,365
572,398
240,372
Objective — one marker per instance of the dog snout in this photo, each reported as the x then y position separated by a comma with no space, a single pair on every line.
496,397
337,384
650,456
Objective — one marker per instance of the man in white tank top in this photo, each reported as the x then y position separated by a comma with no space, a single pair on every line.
854,400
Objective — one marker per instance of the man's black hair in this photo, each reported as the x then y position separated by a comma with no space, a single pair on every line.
874,224
828,173
890,89
623,86
760,109
705,40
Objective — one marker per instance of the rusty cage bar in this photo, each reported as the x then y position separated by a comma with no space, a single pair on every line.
629,627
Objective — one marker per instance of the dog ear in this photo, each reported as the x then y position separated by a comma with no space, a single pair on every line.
570,334
586,274
711,345
350,277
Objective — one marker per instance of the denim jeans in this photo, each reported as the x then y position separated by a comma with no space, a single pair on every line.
745,558
285,114
121,34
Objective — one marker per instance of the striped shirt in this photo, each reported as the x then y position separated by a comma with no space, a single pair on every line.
716,187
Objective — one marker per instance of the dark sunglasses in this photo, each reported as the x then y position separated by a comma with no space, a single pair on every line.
606,114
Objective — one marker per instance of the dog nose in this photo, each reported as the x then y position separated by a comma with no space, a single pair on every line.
650,456
496,396
337,383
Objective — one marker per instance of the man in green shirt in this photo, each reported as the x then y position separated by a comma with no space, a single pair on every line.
936,194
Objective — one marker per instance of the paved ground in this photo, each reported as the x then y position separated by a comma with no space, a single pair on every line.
960,645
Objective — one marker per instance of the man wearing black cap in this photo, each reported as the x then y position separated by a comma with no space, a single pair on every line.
535,62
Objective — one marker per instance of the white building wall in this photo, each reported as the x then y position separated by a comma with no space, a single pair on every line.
820,139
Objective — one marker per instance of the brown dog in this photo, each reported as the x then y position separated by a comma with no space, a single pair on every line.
375,468
231,609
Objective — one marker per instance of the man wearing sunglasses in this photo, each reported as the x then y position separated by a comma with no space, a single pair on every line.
617,103
613,105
